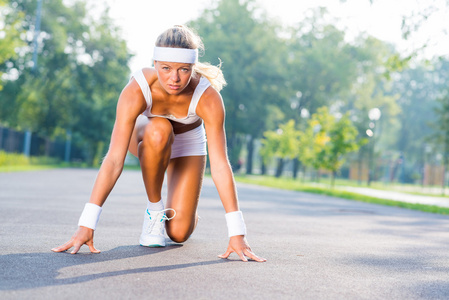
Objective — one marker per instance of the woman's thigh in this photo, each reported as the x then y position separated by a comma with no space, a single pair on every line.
136,137
184,182
145,126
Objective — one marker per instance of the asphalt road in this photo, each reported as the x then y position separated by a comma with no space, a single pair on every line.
317,247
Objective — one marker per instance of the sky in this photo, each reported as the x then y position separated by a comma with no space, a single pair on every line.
143,20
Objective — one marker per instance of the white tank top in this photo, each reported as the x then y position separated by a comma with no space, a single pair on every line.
191,114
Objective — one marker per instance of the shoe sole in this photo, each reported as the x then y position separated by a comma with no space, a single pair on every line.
153,246
153,242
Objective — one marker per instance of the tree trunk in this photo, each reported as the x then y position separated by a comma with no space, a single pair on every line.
249,158
445,162
263,168
234,148
304,170
47,146
333,179
295,167
443,184
359,166
280,167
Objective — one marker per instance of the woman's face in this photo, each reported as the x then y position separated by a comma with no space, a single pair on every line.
173,77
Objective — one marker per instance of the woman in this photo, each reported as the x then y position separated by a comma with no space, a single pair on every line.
160,115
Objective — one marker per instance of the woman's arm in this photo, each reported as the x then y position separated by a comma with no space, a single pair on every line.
211,110
130,104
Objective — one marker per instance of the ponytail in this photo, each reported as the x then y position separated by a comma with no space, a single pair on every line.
212,73
180,36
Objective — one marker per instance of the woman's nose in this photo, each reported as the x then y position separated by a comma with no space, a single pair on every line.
174,76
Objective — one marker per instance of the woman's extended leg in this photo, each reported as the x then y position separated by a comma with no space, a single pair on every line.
184,180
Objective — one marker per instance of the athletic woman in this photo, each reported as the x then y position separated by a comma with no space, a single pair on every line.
163,116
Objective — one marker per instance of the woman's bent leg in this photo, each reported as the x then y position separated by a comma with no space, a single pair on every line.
184,180
151,143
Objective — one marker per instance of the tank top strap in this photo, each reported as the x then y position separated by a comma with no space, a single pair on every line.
199,90
143,84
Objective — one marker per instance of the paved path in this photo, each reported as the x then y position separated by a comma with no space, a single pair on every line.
317,247
402,197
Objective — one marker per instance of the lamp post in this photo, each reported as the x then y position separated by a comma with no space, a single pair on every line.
374,115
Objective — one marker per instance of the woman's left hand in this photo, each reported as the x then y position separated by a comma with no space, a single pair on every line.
239,245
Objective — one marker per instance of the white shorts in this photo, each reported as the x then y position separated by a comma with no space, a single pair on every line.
190,143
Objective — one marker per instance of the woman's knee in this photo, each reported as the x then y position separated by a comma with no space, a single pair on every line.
178,237
179,230
157,134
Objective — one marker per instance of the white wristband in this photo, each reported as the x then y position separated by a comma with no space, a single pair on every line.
236,224
90,216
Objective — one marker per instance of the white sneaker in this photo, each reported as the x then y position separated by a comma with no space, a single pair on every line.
153,229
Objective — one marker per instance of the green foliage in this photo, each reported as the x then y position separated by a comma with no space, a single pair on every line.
441,124
82,67
253,61
323,144
295,185
13,159
417,87
10,31
17,159
343,140
372,89
10,162
281,143
274,73
326,141
321,64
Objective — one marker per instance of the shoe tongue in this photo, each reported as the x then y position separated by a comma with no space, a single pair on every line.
158,215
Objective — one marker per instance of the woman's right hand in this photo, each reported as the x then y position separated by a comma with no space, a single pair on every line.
82,236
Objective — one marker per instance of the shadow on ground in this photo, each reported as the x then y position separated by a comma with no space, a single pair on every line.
31,270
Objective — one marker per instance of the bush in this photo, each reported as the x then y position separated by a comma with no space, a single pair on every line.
16,159
13,159
44,160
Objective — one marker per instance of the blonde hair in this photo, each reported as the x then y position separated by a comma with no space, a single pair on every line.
180,36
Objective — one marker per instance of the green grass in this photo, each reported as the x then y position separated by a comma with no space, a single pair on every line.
23,168
413,189
16,162
11,162
295,185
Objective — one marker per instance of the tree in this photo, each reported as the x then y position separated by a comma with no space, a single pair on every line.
321,63
415,20
282,143
322,67
10,31
343,141
441,135
417,90
82,67
327,140
372,89
252,56
99,84
11,44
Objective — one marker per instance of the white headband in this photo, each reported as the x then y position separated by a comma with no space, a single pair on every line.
180,55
